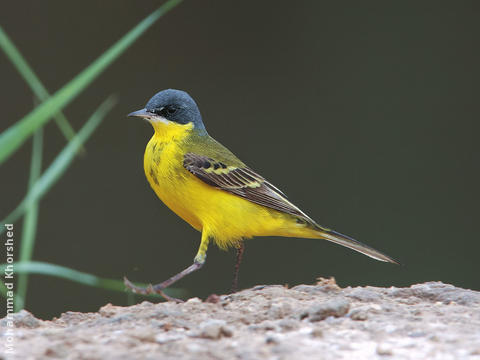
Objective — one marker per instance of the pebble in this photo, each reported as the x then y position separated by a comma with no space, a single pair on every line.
214,329
335,307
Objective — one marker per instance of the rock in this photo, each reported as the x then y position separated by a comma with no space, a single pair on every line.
424,321
322,286
317,333
214,329
22,319
288,324
438,292
358,315
363,294
279,310
384,350
336,307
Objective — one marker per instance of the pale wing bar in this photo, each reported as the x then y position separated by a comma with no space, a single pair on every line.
243,182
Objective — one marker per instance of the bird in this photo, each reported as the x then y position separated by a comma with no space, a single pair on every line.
210,188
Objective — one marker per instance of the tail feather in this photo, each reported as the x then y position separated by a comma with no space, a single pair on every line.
353,244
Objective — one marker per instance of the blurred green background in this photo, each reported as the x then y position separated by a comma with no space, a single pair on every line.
364,113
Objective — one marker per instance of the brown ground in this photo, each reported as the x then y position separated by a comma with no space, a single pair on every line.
425,321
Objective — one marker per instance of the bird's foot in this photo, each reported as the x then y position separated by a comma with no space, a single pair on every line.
158,288
150,289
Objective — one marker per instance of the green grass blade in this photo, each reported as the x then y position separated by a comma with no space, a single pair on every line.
3,289
13,137
29,228
43,268
33,81
61,163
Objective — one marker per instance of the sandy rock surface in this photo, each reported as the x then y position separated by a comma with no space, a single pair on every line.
425,321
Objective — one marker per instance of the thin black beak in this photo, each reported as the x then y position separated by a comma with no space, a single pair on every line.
141,113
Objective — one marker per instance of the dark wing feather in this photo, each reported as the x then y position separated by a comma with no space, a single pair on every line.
241,181
244,182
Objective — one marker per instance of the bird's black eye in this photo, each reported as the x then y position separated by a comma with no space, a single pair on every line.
170,109
165,110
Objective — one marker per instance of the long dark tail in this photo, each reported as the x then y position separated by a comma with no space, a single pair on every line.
353,244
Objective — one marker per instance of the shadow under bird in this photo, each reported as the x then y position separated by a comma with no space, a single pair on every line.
215,192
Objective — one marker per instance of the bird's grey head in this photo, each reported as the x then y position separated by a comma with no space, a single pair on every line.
172,105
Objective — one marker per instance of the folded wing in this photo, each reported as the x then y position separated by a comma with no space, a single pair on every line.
241,181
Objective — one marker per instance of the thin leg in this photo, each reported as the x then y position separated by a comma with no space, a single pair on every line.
152,289
240,251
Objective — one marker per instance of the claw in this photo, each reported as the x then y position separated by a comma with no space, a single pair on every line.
158,288
149,290
134,288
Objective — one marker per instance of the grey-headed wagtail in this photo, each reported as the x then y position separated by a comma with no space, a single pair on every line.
215,192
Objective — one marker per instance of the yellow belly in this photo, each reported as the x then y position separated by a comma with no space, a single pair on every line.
225,217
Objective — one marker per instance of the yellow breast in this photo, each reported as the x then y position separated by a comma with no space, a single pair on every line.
163,165
225,217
